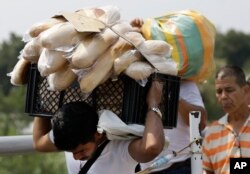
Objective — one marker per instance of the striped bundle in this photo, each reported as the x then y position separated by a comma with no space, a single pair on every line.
192,36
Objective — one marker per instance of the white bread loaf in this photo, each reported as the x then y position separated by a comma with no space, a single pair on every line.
97,73
122,28
157,53
155,47
19,74
89,50
38,28
108,76
32,50
61,36
164,65
51,61
120,47
103,67
80,58
127,58
136,38
139,70
61,79
123,61
117,50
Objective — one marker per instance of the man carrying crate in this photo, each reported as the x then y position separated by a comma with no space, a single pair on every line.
74,128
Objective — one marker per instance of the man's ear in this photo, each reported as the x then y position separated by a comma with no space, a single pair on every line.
246,89
98,136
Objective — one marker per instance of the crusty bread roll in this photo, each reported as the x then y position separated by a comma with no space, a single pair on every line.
32,50
157,52
123,61
98,72
108,76
62,35
139,70
19,74
103,67
120,47
61,79
89,50
156,47
38,28
122,28
165,66
121,50
51,61
136,38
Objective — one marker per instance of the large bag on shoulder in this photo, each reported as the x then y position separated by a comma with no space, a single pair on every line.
192,36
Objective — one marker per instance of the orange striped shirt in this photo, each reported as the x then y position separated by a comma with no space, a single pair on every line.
221,143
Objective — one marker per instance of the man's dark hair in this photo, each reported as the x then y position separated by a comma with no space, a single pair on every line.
75,123
231,70
248,80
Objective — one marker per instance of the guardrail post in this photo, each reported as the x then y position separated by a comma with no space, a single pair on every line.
196,149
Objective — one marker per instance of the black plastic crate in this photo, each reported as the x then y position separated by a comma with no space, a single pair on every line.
125,97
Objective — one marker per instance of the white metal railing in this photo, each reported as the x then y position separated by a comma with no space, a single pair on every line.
12,145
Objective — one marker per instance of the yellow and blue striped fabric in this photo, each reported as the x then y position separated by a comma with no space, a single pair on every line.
192,36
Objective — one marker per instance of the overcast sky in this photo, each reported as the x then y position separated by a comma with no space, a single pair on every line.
18,15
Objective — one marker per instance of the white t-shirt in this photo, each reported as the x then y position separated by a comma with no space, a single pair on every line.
179,137
114,158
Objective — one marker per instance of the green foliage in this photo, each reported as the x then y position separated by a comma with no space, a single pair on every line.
246,67
13,120
38,163
234,46
12,111
9,52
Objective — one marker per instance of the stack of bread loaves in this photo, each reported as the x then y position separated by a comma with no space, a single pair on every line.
63,54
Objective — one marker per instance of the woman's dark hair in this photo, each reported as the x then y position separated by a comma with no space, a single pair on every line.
75,123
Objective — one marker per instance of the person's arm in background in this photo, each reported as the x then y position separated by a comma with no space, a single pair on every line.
152,143
41,140
185,107
185,104
190,100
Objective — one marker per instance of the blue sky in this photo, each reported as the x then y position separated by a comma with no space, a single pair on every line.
18,15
